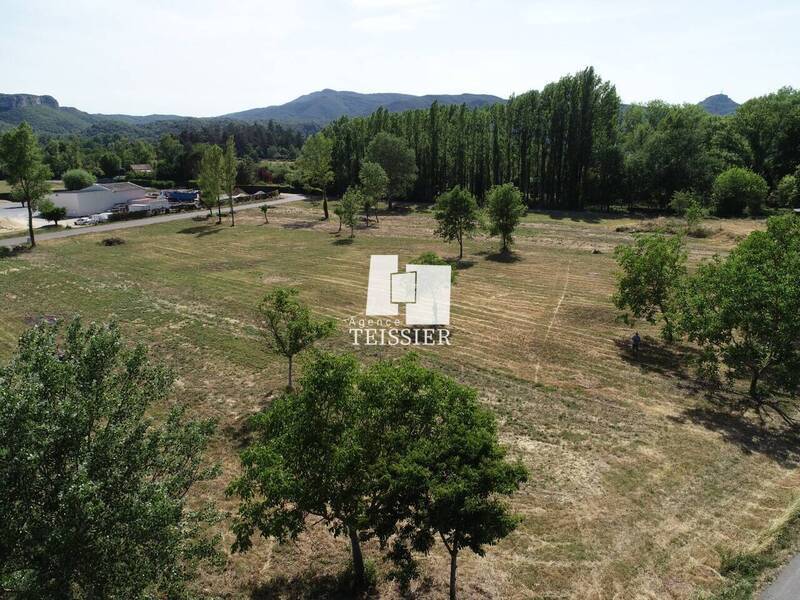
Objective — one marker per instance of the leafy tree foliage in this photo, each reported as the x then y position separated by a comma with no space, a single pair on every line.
653,269
110,163
264,208
456,214
92,489
349,207
505,208
375,185
431,258
211,180
21,158
394,450
77,179
788,192
744,311
51,212
314,165
230,171
397,160
737,189
288,326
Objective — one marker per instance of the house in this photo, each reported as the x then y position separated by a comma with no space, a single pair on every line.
97,198
143,169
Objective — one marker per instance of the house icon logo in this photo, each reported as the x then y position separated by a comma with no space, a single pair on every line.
423,289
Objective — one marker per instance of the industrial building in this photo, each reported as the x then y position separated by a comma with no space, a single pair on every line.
98,198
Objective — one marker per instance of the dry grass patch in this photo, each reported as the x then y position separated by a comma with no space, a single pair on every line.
637,480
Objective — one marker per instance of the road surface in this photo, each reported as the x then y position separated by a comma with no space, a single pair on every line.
787,585
43,237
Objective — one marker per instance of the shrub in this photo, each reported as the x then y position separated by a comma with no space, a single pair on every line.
787,193
682,200
51,212
737,189
77,179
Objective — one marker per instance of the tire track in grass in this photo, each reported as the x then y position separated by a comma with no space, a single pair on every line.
553,320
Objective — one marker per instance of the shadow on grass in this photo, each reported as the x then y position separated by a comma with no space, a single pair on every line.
501,257
301,224
346,241
753,436
200,230
655,355
307,586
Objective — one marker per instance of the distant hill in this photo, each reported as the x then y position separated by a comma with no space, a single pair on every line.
327,105
719,104
313,110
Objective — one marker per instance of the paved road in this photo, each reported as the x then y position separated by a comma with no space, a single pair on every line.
787,585
42,237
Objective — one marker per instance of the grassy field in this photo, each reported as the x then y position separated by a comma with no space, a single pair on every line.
637,481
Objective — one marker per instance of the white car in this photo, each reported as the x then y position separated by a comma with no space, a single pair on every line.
85,221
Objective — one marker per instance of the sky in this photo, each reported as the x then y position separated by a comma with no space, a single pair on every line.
206,58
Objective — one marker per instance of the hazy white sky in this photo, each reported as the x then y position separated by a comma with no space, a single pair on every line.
206,57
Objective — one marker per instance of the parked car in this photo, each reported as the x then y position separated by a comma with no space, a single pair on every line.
101,217
85,221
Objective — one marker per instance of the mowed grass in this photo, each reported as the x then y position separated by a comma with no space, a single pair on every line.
637,481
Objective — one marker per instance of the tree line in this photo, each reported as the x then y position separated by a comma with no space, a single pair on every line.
572,145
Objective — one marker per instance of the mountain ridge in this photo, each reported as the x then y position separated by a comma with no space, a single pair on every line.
315,109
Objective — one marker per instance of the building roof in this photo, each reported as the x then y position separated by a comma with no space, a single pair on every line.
142,167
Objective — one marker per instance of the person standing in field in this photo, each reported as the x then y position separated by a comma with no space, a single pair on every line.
636,341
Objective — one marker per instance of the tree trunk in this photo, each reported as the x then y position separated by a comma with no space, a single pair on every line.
340,225
359,578
325,203
30,225
453,559
460,248
219,213
290,372
754,385
233,219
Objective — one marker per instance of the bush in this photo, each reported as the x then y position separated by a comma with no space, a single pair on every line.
77,179
787,193
51,212
737,189
682,200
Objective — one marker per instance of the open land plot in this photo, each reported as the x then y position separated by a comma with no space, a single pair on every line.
636,480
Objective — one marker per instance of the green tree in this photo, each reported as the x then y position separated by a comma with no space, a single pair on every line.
51,212
210,180
314,165
92,485
349,206
307,460
264,208
445,471
110,163
288,326
374,184
77,179
737,189
505,208
653,269
787,193
398,161
694,216
682,200
456,213
744,312
431,258
21,158
229,172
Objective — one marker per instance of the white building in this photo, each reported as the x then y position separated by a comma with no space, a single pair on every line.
97,198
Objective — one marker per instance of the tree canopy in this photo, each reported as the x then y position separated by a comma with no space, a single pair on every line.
456,213
504,208
92,487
